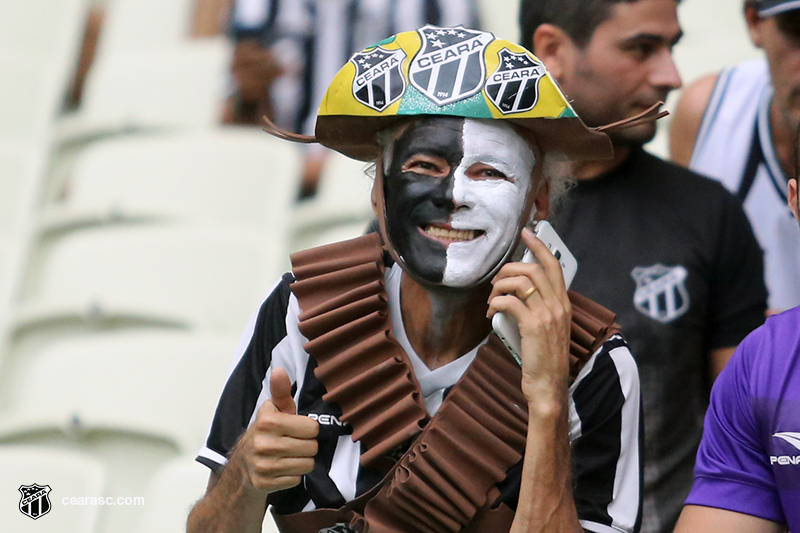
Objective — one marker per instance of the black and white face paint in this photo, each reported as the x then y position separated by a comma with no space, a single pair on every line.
454,193
494,203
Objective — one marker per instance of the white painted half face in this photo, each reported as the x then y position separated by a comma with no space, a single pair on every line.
491,205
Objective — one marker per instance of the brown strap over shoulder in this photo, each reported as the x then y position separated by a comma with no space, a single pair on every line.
345,316
592,325
446,481
447,475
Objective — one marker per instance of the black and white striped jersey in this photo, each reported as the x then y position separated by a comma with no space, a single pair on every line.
604,417
312,39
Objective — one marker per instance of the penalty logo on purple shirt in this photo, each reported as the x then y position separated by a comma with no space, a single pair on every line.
379,80
450,65
514,86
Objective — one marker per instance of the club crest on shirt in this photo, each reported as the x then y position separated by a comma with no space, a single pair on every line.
450,65
514,86
661,291
33,501
379,80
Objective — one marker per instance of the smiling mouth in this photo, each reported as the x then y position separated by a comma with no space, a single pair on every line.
452,235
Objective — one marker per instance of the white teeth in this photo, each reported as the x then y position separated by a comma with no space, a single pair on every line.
450,234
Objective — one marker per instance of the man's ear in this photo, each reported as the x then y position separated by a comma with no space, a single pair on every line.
753,24
541,203
555,49
793,199
376,195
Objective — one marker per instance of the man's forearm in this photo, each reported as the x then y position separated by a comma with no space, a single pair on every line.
229,505
546,503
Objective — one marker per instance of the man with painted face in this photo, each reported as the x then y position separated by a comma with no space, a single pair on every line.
369,398
670,252
737,127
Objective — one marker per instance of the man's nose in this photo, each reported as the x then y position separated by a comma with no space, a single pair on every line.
442,195
462,192
665,73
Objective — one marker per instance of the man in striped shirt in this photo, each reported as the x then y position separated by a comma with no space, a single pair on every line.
366,397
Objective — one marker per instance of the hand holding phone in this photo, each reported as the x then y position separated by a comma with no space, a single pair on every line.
506,326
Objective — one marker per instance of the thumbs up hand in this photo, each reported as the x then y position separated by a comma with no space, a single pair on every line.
280,392
280,446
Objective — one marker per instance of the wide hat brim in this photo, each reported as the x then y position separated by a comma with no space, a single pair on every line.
562,138
453,72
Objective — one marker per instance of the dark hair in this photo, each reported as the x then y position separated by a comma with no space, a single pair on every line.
788,21
578,18
789,24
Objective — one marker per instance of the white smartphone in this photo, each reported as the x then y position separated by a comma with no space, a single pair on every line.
506,326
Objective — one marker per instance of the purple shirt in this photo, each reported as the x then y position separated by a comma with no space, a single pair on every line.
749,459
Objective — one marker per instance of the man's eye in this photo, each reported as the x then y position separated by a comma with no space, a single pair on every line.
493,173
486,172
425,166
642,50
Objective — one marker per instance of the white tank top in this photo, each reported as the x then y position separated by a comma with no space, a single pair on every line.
734,146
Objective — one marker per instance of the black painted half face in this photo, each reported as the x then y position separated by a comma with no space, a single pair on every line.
419,192
454,195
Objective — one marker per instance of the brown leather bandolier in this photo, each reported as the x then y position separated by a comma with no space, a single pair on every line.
446,482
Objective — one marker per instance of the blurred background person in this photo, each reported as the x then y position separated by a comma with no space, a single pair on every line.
287,52
746,473
737,125
670,252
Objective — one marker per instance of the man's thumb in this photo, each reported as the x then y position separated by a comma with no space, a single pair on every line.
280,390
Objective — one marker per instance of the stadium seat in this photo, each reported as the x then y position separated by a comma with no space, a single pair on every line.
139,24
22,165
39,44
67,473
181,86
38,29
157,385
28,108
342,201
231,175
192,277
320,235
132,401
172,493
174,489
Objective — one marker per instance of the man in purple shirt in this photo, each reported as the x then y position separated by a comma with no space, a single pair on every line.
747,476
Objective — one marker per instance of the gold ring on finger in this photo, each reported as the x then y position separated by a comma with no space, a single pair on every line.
528,294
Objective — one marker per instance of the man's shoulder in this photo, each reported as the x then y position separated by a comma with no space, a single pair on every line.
767,358
281,290
680,180
614,359
275,304
780,333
